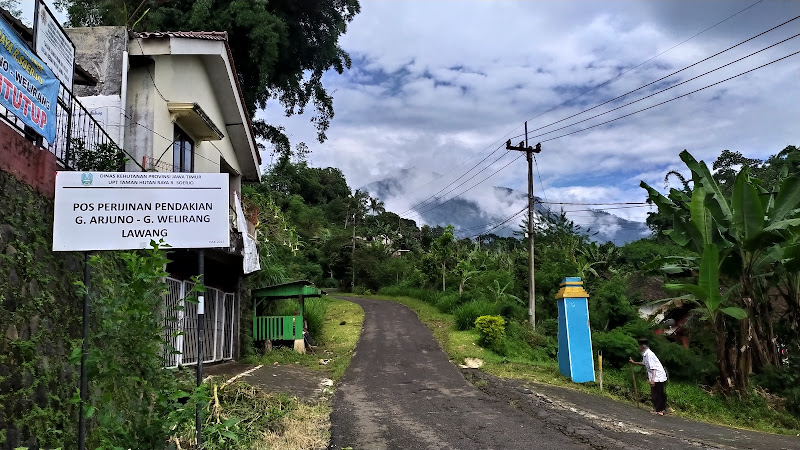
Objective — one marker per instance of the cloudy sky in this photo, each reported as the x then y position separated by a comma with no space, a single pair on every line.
436,83
437,86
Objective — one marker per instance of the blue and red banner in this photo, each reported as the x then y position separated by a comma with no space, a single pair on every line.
28,88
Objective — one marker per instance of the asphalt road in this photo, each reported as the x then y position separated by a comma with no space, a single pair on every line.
401,392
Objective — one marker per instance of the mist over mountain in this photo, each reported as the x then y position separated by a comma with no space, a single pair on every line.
486,208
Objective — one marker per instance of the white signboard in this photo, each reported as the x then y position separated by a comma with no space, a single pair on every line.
52,44
126,210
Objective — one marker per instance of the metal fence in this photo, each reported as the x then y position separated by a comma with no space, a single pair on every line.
75,127
180,325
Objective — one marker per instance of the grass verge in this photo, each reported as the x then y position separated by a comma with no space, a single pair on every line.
686,399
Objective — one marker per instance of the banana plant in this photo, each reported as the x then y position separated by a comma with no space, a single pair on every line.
749,235
706,293
467,267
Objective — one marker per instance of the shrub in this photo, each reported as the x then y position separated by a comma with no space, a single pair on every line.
513,310
543,345
491,328
447,303
548,327
361,290
616,345
682,363
127,382
784,382
610,307
394,291
429,296
466,314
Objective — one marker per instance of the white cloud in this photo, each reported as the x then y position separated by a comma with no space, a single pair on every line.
434,84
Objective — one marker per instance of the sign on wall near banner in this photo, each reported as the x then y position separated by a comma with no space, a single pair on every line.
28,88
126,210
51,43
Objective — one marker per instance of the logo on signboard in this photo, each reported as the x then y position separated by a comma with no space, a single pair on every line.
86,179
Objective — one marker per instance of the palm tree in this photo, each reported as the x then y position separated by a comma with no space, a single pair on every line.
376,206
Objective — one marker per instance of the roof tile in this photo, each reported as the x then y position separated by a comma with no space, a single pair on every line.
209,35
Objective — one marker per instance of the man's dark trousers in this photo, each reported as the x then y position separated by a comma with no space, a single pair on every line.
658,394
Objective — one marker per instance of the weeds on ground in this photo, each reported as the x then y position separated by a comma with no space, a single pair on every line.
238,415
241,416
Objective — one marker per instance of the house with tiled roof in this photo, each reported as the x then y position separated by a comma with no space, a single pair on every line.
172,101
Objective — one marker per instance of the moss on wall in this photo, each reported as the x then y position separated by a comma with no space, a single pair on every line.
40,322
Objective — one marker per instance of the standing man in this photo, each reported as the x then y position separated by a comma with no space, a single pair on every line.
656,375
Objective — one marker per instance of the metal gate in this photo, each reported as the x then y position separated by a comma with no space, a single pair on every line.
180,325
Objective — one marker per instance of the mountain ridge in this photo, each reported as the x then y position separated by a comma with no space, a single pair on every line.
471,219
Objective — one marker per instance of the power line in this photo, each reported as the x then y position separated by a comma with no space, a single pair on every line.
541,183
674,73
462,163
470,188
646,61
490,224
578,96
598,204
672,99
431,206
153,80
662,90
607,209
500,224
453,182
501,221
128,119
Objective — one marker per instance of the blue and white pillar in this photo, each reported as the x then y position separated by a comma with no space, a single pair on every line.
575,358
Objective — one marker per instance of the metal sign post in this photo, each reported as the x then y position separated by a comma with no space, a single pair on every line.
126,211
201,328
84,354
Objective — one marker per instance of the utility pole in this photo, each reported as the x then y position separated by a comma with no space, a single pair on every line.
529,151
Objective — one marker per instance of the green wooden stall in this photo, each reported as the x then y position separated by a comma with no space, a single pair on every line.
273,328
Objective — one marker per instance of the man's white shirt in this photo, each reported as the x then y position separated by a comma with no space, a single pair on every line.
652,363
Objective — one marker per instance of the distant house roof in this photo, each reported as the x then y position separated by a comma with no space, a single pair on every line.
220,36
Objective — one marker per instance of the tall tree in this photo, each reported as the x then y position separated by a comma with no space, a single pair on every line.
11,6
281,47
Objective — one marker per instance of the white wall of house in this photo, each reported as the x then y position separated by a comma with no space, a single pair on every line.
180,78
183,78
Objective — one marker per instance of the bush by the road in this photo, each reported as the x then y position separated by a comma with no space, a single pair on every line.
466,314
492,329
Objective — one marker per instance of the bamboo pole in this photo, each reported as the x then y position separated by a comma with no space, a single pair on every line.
635,389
